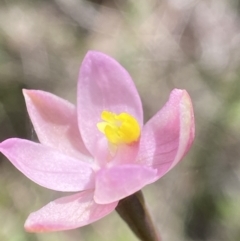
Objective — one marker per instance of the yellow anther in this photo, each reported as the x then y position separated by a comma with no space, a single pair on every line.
119,129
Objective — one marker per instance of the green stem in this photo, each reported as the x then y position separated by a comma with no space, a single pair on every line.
133,211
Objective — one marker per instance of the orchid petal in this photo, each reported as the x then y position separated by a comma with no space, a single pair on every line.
55,122
118,182
125,154
104,85
48,167
67,213
167,136
105,154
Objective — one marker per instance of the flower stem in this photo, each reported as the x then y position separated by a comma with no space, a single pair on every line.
133,211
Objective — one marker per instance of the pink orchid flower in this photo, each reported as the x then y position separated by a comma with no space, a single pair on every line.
99,149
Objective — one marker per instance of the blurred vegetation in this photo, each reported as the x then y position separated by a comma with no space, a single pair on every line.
165,44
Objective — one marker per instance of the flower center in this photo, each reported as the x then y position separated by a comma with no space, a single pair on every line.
119,129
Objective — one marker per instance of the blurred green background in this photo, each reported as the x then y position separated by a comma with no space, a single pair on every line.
164,44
